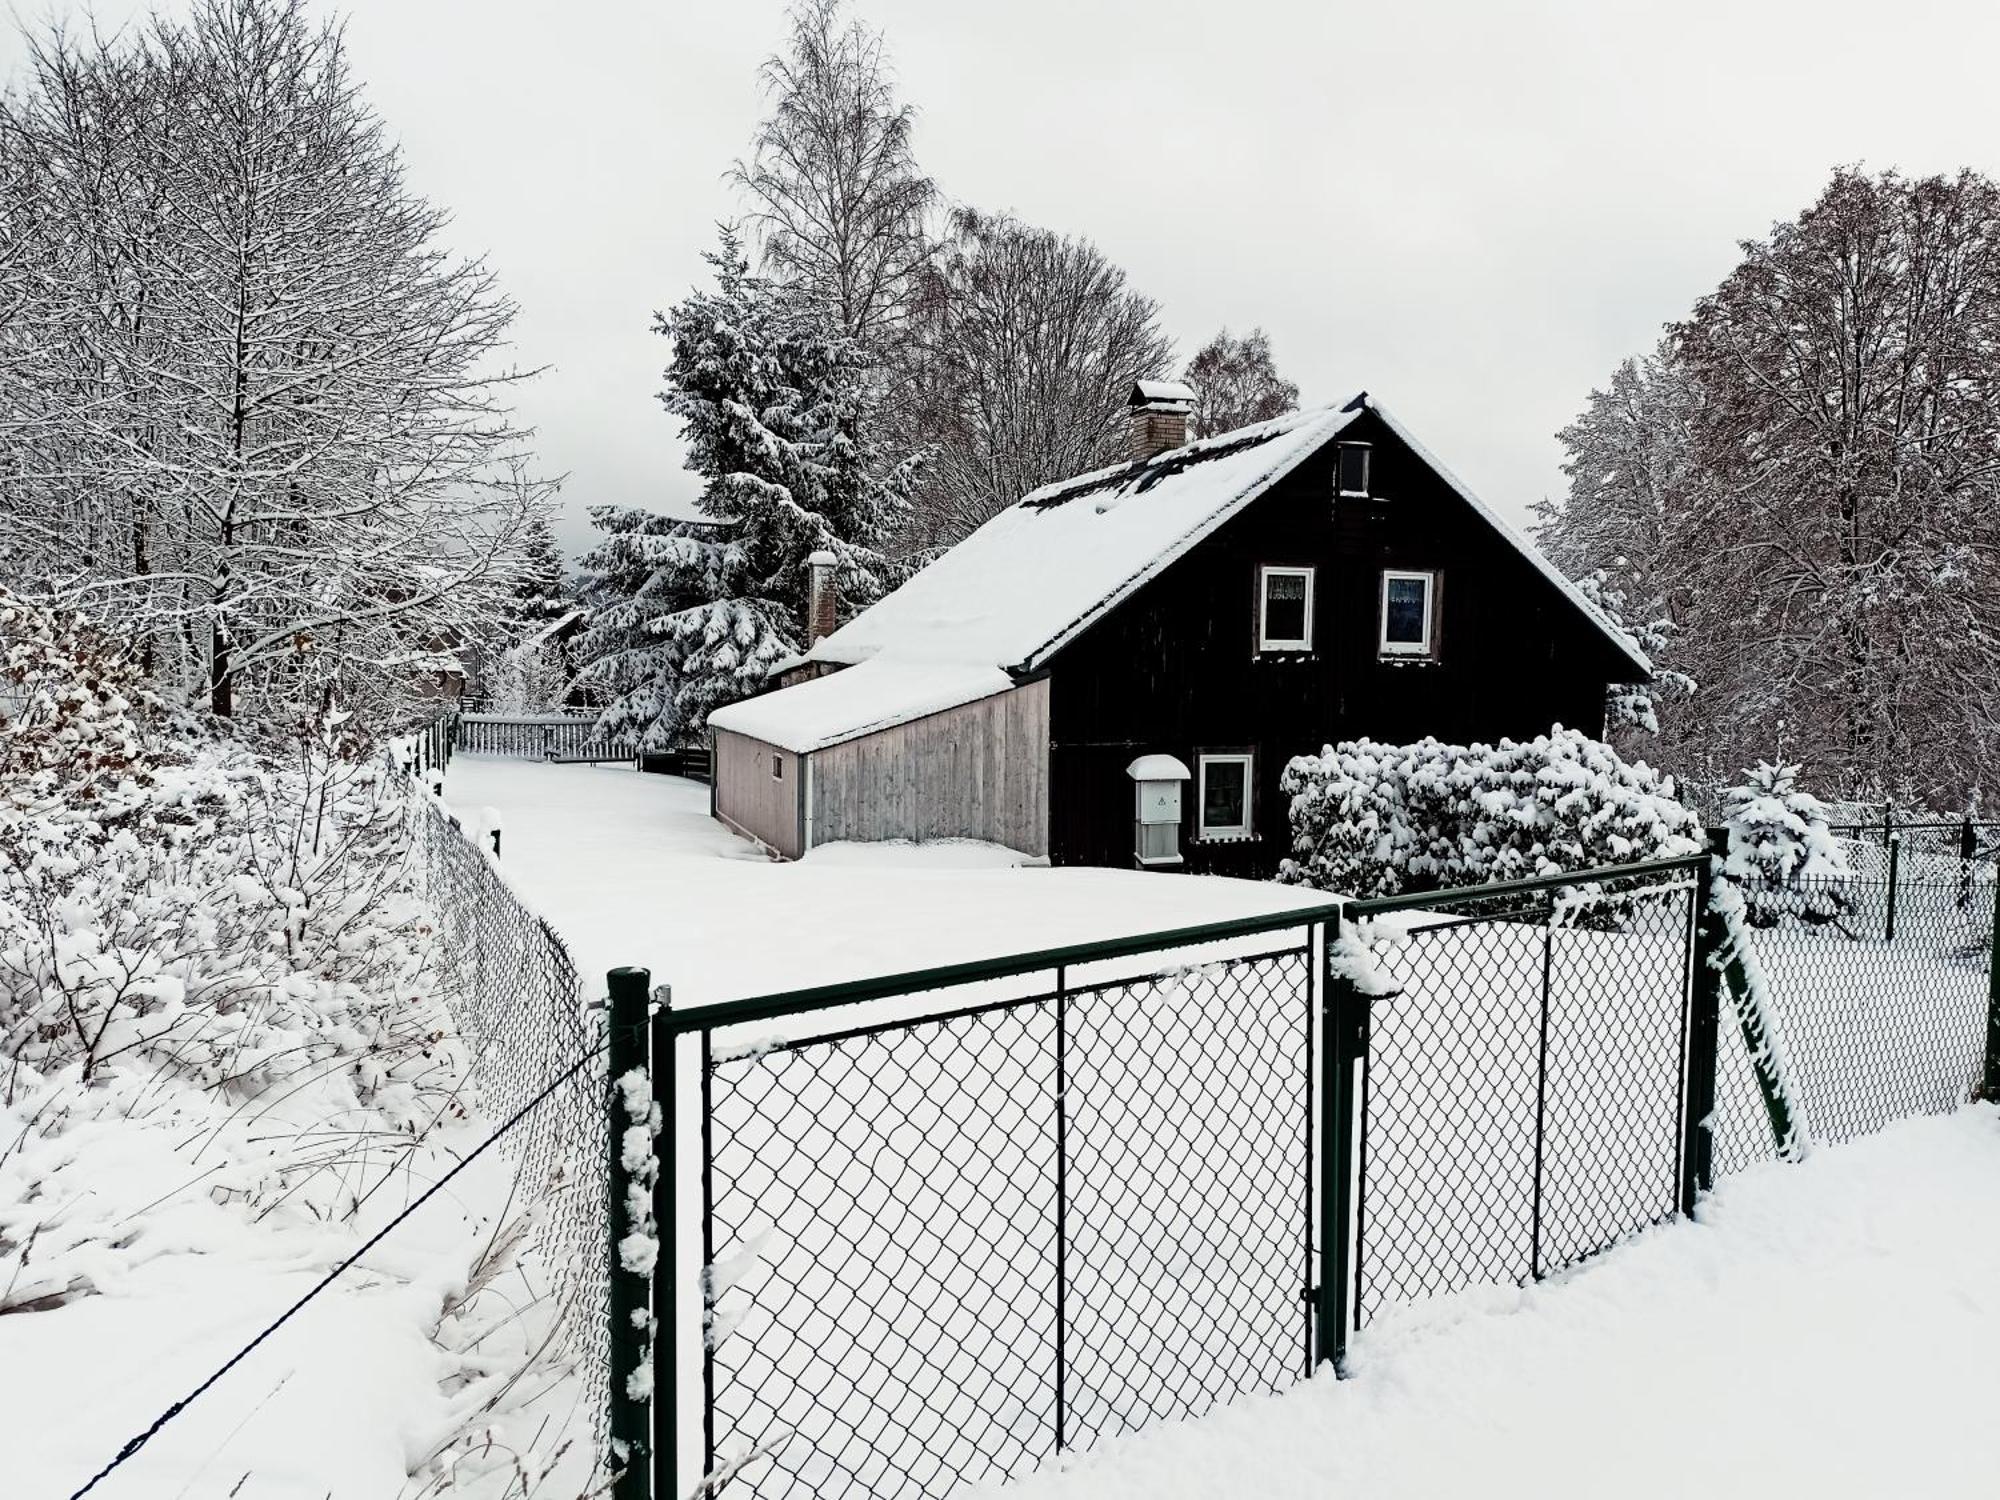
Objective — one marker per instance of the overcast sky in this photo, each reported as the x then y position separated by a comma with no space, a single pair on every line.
1471,210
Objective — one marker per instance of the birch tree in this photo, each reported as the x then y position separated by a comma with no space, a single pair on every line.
1236,382
836,198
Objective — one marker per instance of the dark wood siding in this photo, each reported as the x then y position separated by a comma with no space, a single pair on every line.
1175,667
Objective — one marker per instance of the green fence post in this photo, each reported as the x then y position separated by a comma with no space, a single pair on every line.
632,1197
1704,1031
1990,1088
1343,1042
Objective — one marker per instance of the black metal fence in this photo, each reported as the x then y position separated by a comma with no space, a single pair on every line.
951,1244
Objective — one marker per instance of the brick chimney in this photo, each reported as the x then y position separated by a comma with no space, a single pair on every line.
1159,416
823,603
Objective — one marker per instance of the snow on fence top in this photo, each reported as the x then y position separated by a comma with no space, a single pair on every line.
858,701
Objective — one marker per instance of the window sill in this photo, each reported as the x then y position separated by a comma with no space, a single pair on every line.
1285,653
1226,838
1407,658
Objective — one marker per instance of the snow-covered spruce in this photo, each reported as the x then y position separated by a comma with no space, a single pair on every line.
690,615
1374,819
1782,856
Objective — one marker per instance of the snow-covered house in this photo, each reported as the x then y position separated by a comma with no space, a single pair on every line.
1206,610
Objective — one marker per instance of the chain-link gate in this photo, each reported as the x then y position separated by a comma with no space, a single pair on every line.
945,1248
1523,1075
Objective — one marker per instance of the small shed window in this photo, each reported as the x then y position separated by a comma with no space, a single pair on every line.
1284,609
1224,794
1409,607
777,768
1352,464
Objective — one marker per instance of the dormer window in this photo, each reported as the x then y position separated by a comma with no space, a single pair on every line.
1351,465
1284,609
1409,614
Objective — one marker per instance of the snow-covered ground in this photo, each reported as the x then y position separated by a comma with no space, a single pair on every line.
631,869
1825,1330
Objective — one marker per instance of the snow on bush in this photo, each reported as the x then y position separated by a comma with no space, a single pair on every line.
189,927
221,1035
1782,855
1372,819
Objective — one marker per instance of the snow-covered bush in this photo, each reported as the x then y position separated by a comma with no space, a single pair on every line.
191,927
1377,819
1782,855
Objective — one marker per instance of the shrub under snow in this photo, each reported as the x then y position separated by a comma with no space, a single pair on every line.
1782,855
1373,819
221,1035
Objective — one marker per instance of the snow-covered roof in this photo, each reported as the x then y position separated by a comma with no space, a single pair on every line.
1042,571
845,705
1032,578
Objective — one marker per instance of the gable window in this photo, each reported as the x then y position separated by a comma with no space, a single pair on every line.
1284,609
1351,470
1409,607
1223,794
777,768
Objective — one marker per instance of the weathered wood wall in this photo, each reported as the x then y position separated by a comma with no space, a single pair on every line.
980,771
750,799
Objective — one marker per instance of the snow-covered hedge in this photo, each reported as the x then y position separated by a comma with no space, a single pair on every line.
1782,855
1374,819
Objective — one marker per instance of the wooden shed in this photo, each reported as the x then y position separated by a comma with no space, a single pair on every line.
888,750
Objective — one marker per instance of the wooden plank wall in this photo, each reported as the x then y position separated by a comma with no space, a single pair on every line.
753,801
980,771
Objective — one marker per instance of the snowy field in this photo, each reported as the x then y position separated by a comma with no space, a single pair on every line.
1824,1330
632,870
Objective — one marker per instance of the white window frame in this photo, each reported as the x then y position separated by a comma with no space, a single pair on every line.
1265,640
1425,647
1247,759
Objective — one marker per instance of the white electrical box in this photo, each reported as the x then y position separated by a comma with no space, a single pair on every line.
1156,793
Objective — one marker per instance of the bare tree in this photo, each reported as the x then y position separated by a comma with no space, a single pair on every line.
1236,382
837,200
272,436
1023,347
1807,481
